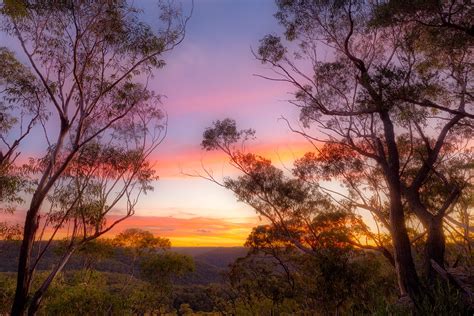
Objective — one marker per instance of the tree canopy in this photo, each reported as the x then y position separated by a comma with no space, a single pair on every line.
84,89
389,113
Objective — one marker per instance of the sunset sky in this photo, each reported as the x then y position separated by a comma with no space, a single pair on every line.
211,76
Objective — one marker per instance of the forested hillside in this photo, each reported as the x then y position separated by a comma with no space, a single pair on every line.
210,262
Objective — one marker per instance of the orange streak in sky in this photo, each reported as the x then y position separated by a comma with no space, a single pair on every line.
190,232
186,161
199,231
196,232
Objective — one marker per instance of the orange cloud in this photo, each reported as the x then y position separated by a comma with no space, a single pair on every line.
187,160
192,232
189,232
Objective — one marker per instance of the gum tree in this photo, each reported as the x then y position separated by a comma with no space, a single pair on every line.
388,106
395,95
89,65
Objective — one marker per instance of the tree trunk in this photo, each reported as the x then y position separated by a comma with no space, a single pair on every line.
31,226
408,280
434,247
38,296
406,272
436,243
24,274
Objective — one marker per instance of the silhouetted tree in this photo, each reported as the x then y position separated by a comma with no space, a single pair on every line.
297,208
388,106
276,277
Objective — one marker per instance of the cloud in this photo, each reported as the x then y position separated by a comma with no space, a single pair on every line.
188,160
195,231
190,232
204,231
158,228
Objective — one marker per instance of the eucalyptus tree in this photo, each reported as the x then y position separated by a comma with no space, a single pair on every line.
139,244
299,209
158,267
20,111
387,102
87,66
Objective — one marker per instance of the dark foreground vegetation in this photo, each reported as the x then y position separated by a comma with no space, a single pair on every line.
137,273
377,219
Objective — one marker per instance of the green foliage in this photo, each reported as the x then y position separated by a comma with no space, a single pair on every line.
140,241
287,282
196,296
224,134
7,289
89,292
389,112
271,49
107,123
335,278
84,294
353,282
9,231
21,87
158,268
91,253
14,8
185,309
446,301
11,184
20,105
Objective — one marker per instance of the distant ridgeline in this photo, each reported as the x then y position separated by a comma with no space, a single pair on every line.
210,262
